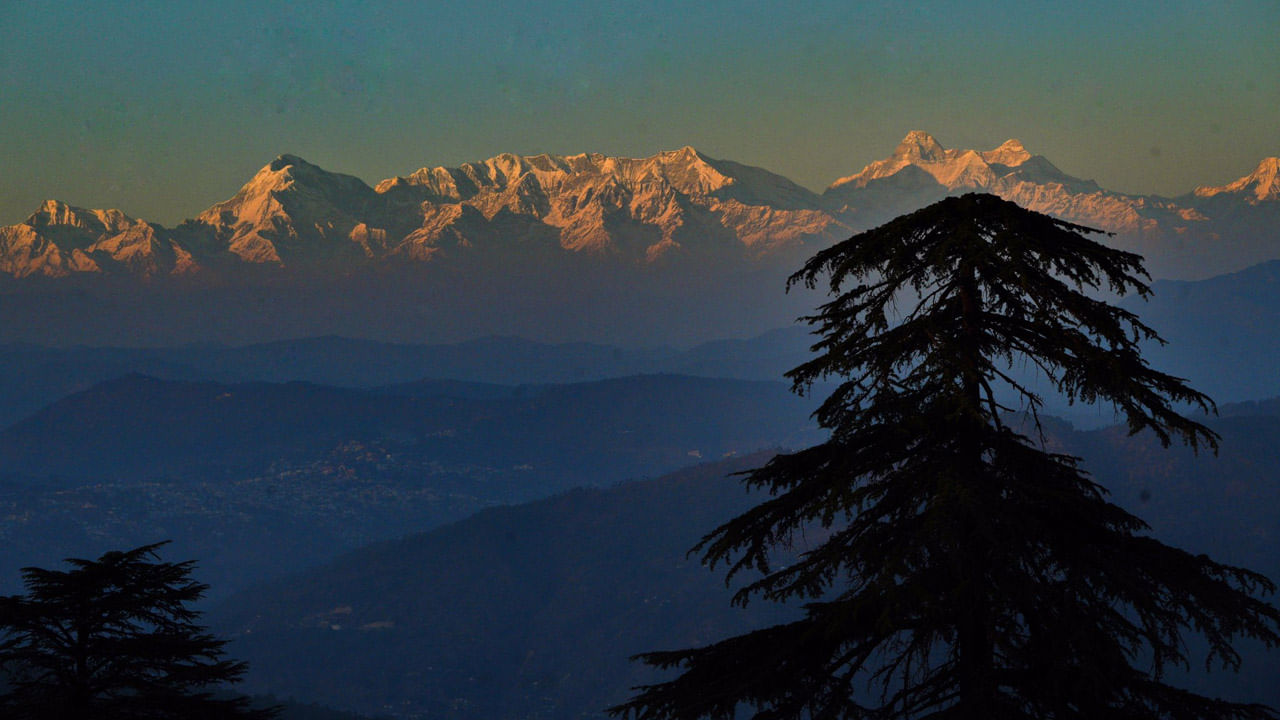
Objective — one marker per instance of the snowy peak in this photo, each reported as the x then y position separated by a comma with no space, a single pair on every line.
677,202
919,147
920,172
60,239
289,173
1261,185
53,213
954,169
685,170
293,210
674,206
1011,153
691,172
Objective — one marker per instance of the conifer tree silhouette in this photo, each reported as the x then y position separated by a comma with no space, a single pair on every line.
114,638
967,571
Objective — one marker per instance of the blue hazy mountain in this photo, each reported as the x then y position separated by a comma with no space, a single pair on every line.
534,609
257,478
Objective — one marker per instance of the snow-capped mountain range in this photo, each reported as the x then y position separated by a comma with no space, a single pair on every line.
675,207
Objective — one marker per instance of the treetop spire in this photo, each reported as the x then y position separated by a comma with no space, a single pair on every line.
966,571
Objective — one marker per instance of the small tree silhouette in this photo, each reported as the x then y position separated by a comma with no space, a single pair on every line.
967,572
114,638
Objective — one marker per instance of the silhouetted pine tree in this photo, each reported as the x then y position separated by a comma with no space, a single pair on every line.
966,572
113,638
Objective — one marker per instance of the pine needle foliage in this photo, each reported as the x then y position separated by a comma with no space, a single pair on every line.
114,638
966,570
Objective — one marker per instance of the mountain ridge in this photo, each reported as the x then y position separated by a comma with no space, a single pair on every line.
673,207
1262,184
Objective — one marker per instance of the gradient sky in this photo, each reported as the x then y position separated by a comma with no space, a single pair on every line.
162,108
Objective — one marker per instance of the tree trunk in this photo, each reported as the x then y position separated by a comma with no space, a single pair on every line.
975,650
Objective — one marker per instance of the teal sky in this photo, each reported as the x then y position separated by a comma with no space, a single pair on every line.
162,108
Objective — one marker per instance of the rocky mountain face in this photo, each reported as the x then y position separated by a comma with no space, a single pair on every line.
678,207
295,214
292,210
669,205
59,239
